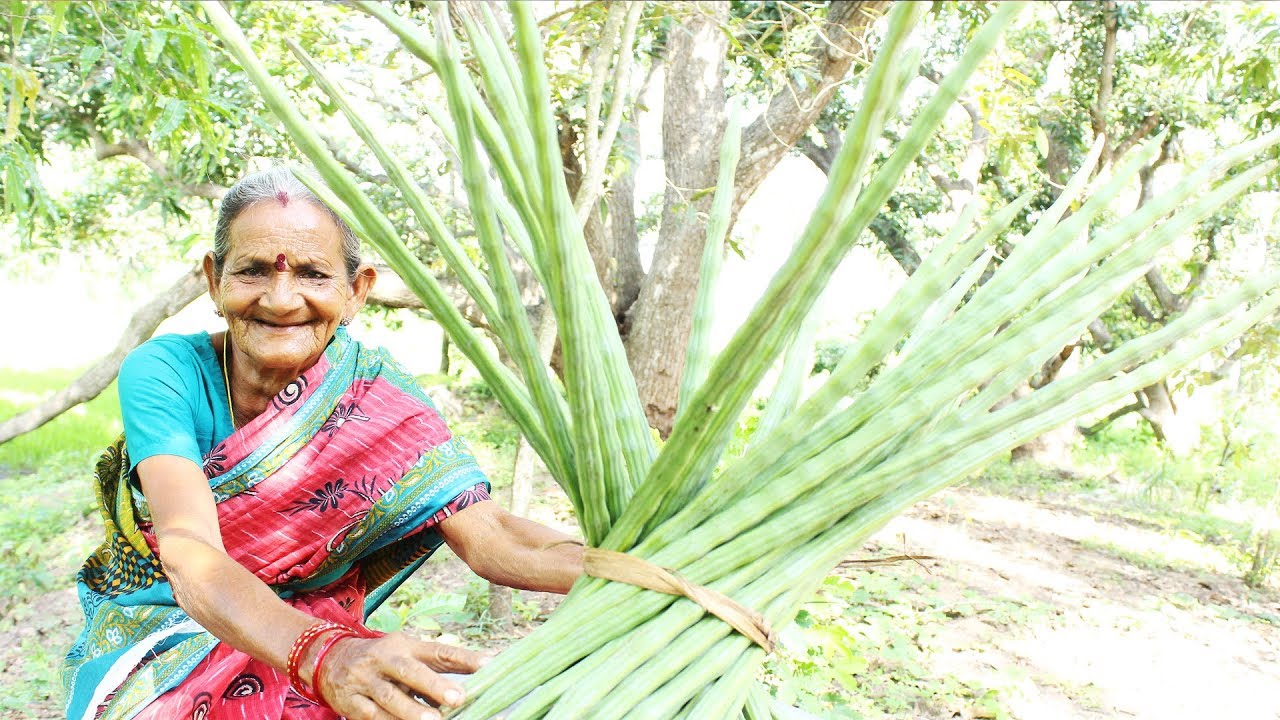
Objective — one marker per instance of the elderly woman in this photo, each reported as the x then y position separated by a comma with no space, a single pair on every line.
275,482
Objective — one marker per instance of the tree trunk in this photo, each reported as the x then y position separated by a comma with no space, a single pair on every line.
626,273
692,126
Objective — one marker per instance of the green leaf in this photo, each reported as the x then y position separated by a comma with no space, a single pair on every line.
170,118
131,40
11,122
17,21
1042,141
89,56
158,39
57,21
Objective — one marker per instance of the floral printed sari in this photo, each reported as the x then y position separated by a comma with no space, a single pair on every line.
331,497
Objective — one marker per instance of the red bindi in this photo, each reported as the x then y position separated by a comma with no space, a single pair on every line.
283,197
280,264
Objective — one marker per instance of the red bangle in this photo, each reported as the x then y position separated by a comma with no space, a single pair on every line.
305,640
299,649
316,694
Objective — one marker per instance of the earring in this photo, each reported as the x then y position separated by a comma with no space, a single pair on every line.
217,312
344,322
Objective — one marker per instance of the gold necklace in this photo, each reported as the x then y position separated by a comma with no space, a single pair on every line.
226,379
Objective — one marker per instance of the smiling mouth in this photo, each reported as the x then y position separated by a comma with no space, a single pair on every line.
279,326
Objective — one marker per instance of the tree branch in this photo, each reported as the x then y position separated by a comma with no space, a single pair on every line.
1170,302
959,190
797,105
139,150
350,163
1101,335
1140,133
1106,80
1094,429
89,385
599,148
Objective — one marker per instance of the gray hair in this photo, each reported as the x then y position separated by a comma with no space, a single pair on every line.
270,184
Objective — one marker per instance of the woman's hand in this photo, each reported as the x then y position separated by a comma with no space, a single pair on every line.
382,678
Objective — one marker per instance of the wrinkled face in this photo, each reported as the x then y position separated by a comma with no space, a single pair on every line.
283,287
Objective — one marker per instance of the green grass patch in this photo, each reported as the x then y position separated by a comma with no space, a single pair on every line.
863,649
86,428
1138,558
1027,479
43,518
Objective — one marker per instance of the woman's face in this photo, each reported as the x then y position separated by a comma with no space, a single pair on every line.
283,287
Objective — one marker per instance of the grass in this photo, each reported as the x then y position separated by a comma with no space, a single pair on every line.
46,499
866,646
87,428
47,528
1148,560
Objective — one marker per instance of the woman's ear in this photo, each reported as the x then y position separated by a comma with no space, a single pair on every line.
366,276
211,277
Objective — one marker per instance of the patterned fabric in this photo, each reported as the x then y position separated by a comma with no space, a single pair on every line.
330,497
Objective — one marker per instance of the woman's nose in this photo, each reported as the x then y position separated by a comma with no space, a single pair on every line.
282,293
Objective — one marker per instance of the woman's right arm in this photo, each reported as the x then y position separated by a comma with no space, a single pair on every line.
362,678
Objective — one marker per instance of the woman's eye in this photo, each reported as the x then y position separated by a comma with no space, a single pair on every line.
315,275
250,272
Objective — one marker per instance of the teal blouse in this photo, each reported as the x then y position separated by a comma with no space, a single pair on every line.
173,399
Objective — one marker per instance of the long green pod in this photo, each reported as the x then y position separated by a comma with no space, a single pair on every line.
925,460
1071,261
973,444
697,356
812,480
986,311
795,368
942,308
500,82
661,686
1164,233
759,704
963,457
1037,246
566,638
652,639
510,391
422,208
886,506
698,437
920,475
598,379
809,476
519,338
623,408
1131,261
570,298
975,453
514,174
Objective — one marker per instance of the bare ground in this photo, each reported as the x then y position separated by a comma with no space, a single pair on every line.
1171,638
1152,639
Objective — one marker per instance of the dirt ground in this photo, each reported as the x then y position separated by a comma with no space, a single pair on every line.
1147,640
1126,638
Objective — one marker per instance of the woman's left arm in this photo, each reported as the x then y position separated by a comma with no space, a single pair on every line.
513,551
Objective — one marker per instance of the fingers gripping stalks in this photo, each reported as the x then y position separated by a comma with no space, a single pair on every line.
389,678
